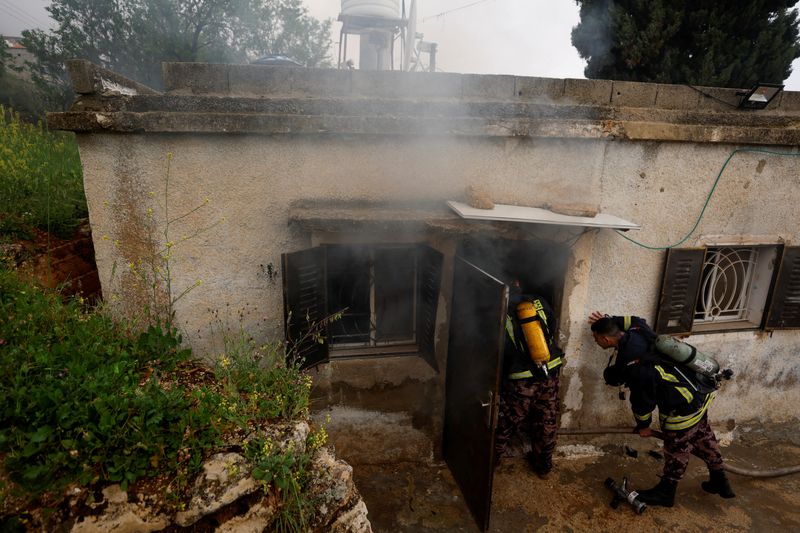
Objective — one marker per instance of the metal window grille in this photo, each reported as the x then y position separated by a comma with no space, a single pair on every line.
726,285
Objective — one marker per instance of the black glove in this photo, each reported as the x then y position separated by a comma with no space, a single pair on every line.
613,375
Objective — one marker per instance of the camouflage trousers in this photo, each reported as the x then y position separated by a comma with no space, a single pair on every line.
698,440
529,405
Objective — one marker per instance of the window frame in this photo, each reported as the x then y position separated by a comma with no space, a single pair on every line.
682,280
373,346
305,291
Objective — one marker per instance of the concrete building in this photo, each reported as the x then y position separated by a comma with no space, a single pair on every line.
19,56
314,191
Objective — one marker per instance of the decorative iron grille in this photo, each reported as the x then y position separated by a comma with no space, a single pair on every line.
726,285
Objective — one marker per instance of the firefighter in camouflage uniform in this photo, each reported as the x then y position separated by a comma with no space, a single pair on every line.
682,398
529,397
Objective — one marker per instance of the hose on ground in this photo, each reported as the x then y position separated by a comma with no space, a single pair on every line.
749,472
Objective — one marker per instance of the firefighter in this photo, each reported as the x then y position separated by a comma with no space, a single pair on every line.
681,396
529,396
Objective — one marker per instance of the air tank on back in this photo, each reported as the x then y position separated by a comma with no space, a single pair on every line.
685,353
389,9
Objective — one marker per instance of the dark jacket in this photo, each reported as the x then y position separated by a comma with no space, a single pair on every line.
517,361
682,400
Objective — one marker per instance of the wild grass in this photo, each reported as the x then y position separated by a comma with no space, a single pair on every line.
85,401
41,181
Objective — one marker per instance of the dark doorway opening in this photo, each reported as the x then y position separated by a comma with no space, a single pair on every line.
483,271
539,265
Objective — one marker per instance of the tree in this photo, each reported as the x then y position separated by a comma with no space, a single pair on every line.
133,37
725,43
5,57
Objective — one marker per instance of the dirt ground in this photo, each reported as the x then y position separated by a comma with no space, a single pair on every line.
417,497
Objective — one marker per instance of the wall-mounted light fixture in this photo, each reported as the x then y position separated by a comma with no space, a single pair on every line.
759,96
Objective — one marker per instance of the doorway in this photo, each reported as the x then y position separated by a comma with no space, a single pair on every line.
482,272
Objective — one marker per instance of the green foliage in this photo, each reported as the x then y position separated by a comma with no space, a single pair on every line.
267,385
284,471
260,376
41,182
85,401
705,42
133,37
73,409
22,96
5,57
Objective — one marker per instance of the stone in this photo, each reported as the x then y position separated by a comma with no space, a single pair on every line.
120,516
225,479
353,521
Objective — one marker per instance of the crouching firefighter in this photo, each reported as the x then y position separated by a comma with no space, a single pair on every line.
681,395
531,364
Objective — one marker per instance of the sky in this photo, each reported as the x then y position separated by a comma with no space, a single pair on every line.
521,37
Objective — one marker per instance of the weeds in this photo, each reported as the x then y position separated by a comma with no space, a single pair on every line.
41,183
73,408
85,402
285,471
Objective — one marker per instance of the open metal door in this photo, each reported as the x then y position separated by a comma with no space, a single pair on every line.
477,320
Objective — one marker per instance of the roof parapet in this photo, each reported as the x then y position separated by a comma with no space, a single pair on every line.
89,79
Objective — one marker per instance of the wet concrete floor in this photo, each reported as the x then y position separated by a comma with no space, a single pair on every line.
423,497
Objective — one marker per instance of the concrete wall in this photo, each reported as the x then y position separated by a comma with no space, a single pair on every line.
643,152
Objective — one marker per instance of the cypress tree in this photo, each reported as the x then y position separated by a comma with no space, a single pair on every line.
723,43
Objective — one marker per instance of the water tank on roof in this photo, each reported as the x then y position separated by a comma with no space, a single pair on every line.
389,9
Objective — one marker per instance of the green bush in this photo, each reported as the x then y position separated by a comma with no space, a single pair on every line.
41,182
83,400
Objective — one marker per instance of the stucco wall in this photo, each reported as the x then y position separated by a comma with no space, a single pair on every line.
640,170
756,197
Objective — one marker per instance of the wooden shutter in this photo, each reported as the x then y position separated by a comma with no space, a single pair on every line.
676,304
430,277
784,310
304,305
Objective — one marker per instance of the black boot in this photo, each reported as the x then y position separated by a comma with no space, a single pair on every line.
662,494
718,484
541,466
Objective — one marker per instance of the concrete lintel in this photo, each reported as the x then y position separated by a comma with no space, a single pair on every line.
548,89
490,87
677,97
88,78
415,125
588,92
196,78
396,84
257,80
633,94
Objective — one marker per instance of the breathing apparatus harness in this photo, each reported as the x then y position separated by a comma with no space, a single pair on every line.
531,320
702,371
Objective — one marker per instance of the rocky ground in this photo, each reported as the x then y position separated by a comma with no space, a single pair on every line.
223,498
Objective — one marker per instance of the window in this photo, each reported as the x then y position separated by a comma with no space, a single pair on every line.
387,295
726,288
375,287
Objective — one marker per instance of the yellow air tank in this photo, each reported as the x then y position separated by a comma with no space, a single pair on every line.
533,332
